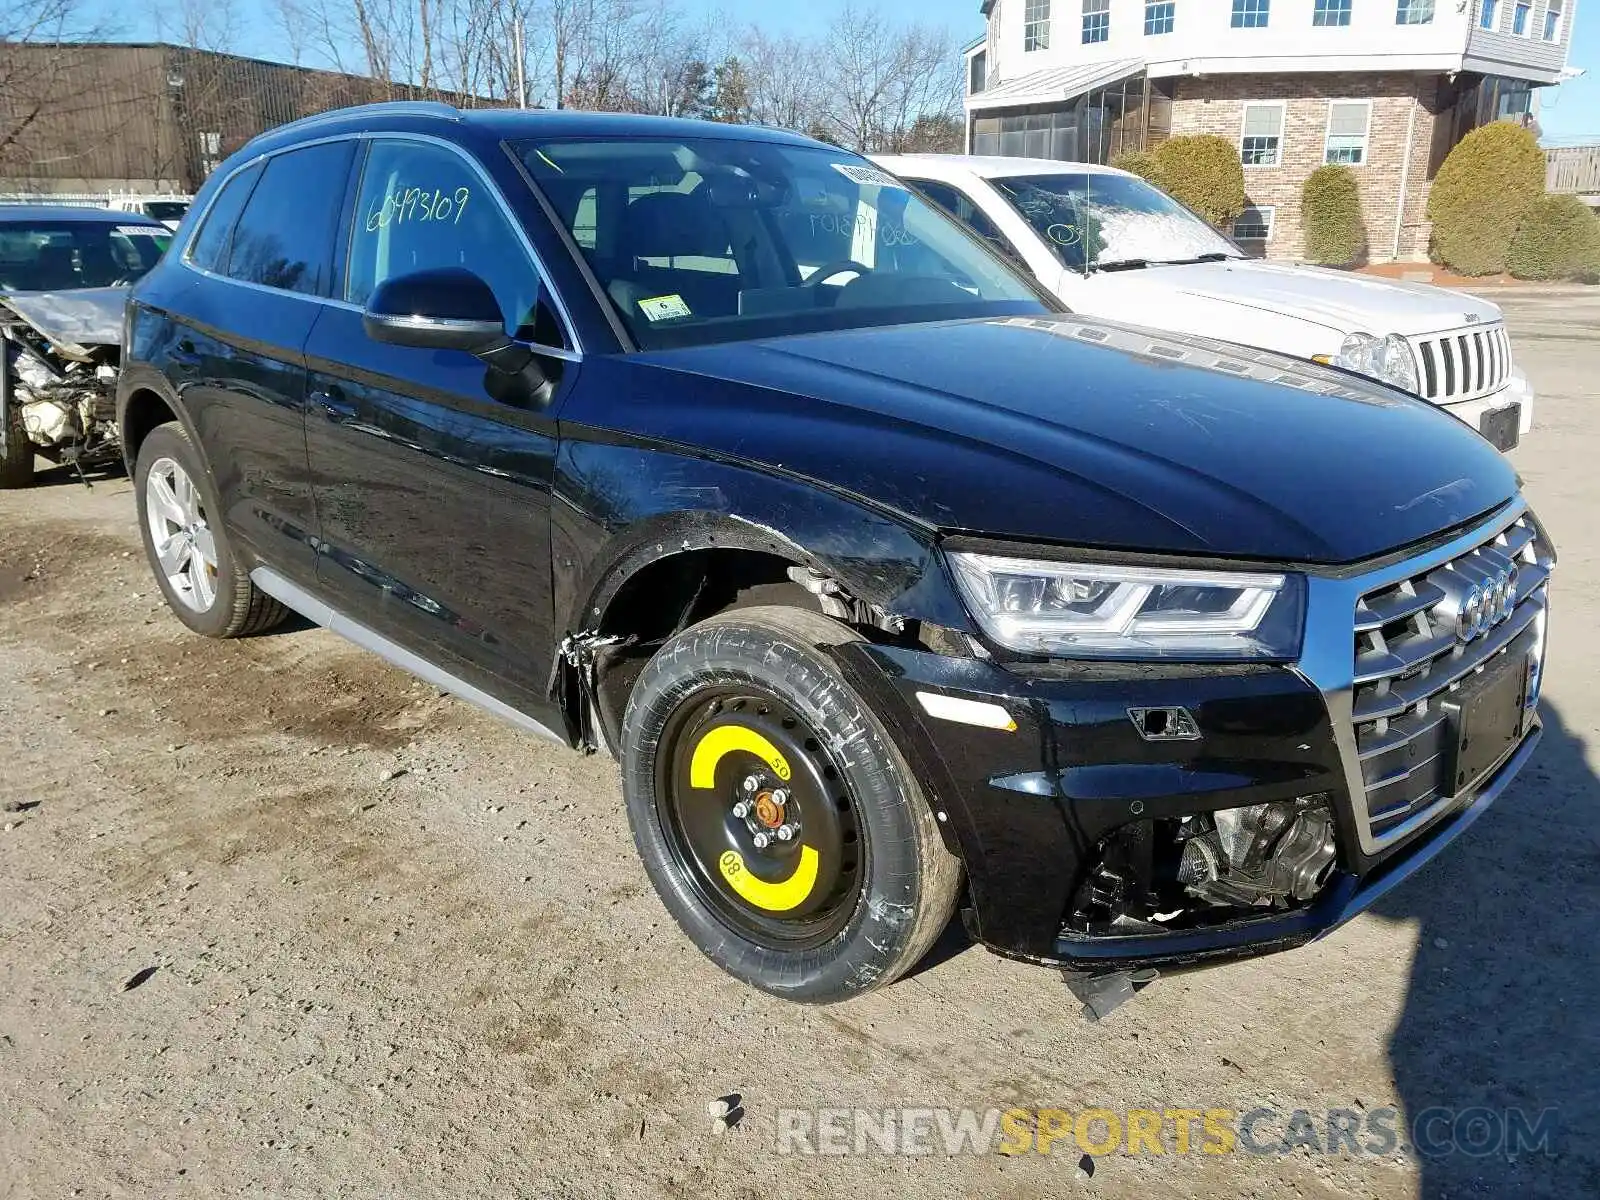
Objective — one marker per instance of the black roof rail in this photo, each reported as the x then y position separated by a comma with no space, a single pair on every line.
391,108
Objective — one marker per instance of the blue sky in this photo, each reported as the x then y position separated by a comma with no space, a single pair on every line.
1573,110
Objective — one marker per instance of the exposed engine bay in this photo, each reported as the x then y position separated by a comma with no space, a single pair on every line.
58,374
1208,868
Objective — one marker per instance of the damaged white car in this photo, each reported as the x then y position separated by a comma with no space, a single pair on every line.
64,275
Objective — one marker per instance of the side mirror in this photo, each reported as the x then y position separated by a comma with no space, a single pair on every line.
444,309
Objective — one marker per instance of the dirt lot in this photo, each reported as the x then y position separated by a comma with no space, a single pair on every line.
240,956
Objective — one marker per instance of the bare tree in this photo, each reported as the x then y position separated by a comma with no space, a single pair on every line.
33,70
784,80
882,77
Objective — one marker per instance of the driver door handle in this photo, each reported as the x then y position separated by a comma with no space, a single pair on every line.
333,402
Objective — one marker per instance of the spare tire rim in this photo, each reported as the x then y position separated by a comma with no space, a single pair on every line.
184,545
759,819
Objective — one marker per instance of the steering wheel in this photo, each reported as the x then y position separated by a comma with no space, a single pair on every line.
837,267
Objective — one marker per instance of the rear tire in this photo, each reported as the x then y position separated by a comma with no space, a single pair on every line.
749,696
201,578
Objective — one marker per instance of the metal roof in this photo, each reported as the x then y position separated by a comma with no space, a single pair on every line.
1054,85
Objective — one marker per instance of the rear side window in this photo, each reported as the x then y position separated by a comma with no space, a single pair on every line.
284,238
423,207
210,245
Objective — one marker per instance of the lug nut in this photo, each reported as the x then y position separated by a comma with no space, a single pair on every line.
780,797
741,809
762,841
751,783
785,833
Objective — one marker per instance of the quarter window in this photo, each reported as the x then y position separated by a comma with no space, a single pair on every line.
1251,14
284,238
1413,12
1261,139
1158,16
422,207
1488,14
1331,12
1096,20
1254,224
210,246
1519,17
1346,140
1552,21
1036,25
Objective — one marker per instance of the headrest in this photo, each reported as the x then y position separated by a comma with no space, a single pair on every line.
674,224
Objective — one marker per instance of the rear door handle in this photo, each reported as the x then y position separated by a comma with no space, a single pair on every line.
185,354
333,402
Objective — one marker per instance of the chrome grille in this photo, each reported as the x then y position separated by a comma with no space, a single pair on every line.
1463,364
1410,660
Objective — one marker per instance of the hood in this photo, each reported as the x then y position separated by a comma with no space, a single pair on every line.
1080,432
1340,301
73,321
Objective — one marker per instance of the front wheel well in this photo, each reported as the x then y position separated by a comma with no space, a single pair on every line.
145,410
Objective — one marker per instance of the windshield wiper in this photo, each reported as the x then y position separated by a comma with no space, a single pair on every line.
1212,256
1121,264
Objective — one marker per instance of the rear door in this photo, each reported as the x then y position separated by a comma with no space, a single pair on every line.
263,264
432,474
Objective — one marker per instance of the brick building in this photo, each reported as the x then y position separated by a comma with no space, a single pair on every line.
1385,86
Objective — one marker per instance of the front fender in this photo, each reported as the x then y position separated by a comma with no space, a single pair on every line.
621,505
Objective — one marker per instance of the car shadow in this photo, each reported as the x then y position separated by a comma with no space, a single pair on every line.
48,474
1502,1014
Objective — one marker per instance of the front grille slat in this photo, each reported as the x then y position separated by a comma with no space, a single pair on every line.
1463,364
1408,659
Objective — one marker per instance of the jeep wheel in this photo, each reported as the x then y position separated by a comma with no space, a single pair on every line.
179,520
775,815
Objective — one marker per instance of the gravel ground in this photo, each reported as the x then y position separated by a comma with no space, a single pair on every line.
277,920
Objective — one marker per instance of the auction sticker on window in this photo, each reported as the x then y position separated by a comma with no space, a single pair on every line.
665,308
143,230
867,176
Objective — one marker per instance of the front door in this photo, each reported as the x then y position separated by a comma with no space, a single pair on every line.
432,480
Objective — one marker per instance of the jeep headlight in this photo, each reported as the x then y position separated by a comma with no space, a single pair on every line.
1388,359
1105,610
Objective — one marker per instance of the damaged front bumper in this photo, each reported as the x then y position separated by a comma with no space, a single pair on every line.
1262,806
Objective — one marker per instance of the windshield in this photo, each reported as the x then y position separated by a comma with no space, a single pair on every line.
707,240
1097,221
51,256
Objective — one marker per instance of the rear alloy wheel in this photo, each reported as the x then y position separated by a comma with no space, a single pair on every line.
775,816
179,519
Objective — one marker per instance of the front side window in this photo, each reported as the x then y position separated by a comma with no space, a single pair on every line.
49,256
1519,17
702,240
1261,140
1036,25
1413,12
1254,224
1331,13
1109,222
1096,20
1552,21
284,237
1159,16
1488,14
422,207
209,249
1346,140
1250,14
960,206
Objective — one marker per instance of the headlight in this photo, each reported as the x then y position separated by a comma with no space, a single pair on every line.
1385,358
1098,610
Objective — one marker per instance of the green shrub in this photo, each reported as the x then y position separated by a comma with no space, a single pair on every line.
1481,194
1335,234
1141,163
1203,172
1559,239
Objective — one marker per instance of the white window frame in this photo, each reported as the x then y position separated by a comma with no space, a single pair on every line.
1265,14
1561,20
1036,30
1406,6
1344,11
1270,211
1283,122
1149,20
1493,8
1103,10
1366,136
1527,31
